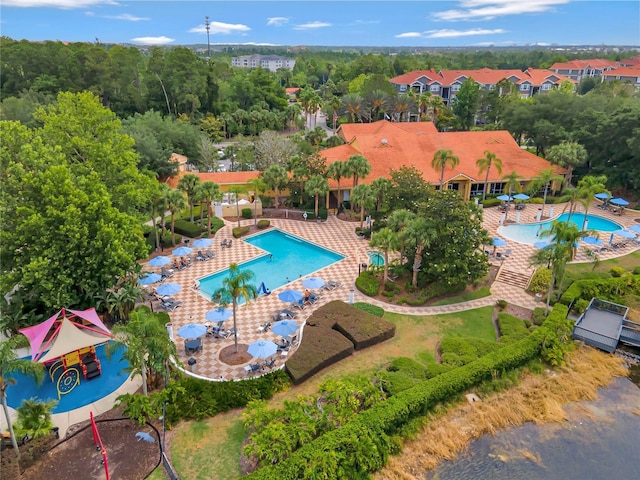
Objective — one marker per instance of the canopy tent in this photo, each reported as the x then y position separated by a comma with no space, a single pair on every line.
67,336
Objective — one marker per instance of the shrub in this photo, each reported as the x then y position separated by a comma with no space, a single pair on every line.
616,271
458,351
636,270
240,231
368,283
372,309
263,223
501,304
511,328
247,213
490,202
322,213
581,305
539,315
540,281
366,232
186,228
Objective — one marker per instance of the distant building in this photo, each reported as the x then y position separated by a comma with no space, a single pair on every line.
268,62
579,69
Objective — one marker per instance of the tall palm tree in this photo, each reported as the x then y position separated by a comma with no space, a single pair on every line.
484,164
387,241
175,203
441,159
10,363
317,185
363,196
188,184
158,208
403,106
377,100
353,106
512,184
572,196
554,257
237,190
424,100
381,187
421,232
568,155
258,186
544,180
337,170
148,345
276,178
235,286
359,167
208,192
588,187
398,221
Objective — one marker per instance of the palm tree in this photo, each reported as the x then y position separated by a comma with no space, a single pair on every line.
398,222
352,105
572,196
402,106
337,170
359,167
317,185
424,101
175,203
512,184
555,257
188,185
258,186
10,363
158,207
441,159
543,181
34,417
208,192
484,164
235,286
276,178
237,190
148,345
381,187
378,101
568,155
421,232
363,196
588,187
386,240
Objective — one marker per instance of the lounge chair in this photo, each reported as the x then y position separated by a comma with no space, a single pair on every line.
228,333
313,298
201,256
265,327
333,284
166,273
287,314
210,253
299,304
224,243
170,307
230,243
268,363
507,252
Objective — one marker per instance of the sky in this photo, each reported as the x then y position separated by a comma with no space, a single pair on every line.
374,23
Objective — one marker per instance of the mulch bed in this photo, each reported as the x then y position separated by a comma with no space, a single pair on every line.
229,355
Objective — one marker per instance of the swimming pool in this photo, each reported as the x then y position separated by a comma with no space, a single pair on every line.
528,233
376,258
286,258
87,392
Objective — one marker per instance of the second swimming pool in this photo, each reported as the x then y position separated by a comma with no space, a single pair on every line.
286,258
529,233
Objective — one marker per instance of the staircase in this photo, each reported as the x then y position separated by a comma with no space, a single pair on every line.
510,277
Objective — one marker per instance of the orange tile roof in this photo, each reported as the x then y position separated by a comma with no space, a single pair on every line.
631,61
411,77
411,148
582,64
538,76
484,76
221,178
623,72
292,89
384,128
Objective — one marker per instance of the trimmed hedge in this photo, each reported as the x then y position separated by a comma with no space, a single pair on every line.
185,227
511,328
351,458
372,309
240,231
490,202
609,289
368,283
247,213
263,223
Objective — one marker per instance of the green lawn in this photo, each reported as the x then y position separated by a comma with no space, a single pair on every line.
628,262
465,297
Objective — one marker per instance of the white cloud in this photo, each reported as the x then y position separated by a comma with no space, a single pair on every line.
222,28
446,33
66,4
162,40
409,35
312,25
489,9
277,21
126,16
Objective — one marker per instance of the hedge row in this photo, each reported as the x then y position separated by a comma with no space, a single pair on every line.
240,231
362,446
609,289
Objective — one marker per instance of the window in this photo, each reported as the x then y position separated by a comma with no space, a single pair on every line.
403,88
492,87
477,189
434,88
524,87
455,88
546,86
496,188
453,186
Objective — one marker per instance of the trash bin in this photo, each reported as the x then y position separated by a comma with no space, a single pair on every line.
192,363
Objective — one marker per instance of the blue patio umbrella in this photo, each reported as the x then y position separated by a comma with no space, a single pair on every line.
290,296
202,243
504,198
181,251
498,242
159,261
624,233
635,228
619,201
149,279
521,196
542,244
285,327
262,348
168,289
218,314
313,282
592,240
192,330
602,196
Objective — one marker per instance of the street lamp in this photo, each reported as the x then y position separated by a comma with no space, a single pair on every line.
207,25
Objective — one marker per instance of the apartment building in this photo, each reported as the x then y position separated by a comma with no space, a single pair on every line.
268,62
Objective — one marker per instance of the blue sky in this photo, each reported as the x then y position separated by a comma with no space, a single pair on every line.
308,22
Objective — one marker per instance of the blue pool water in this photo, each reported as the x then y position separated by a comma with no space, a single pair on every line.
291,257
527,233
376,258
87,392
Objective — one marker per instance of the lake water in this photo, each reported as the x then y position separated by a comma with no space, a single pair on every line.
601,440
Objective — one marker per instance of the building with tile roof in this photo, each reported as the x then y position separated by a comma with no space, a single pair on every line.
391,145
624,74
446,83
579,69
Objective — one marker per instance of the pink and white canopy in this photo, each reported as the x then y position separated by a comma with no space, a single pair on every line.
67,336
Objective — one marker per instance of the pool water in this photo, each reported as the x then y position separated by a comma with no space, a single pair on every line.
529,232
376,258
87,392
286,258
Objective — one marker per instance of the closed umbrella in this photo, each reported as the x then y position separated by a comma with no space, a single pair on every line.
313,282
290,296
218,314
192,330
168,289
181,251
285,327
202,243
619,201
262,348
149,279
159,261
